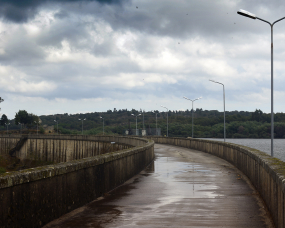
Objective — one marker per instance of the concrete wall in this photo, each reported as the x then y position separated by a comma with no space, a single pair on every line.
266,173
59,148
7,143
64,150
34,197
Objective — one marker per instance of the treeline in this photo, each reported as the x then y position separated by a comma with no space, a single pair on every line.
22,119
207,123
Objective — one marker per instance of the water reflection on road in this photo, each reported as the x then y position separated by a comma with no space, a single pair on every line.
182,188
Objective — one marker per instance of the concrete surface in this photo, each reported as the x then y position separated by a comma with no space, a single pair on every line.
182,188
34,197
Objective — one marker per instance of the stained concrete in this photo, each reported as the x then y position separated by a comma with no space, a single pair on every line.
34,197
182,188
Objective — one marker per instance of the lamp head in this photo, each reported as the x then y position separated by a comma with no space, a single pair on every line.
246,14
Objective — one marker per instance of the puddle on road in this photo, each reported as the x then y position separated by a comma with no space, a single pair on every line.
185,179
163,184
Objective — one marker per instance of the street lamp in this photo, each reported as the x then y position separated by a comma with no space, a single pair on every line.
103,123
224,107
7,124
136,122
252,16
57,125
143,128
37,126
21,128
192,111
143,118
167,119
155,123
82,124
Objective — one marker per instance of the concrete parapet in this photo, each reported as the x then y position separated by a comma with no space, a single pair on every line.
266,173
34,197
63,148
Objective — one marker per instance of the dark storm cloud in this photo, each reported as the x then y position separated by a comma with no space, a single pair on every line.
216,19
19,11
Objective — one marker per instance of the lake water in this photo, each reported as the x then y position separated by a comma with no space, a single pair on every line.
262,145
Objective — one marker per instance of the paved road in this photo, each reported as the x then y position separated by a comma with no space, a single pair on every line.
182,188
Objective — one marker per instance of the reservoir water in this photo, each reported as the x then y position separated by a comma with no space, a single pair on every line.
262,145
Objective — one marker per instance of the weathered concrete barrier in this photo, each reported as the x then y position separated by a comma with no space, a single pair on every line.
34,197
58,148
266,173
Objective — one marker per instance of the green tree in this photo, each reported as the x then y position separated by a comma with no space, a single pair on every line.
257,115
4,120
23,117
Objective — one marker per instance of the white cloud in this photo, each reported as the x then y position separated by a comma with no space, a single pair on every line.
71,57
14,81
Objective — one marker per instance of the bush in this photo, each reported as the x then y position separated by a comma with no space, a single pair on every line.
237,135
42,131
2,170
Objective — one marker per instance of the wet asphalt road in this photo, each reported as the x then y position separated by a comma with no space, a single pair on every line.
182,188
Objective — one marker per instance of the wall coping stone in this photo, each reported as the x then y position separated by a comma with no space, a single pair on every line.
13,178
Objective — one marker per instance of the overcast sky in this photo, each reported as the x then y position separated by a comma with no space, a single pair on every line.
72,56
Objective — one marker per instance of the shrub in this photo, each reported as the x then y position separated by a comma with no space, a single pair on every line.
2,170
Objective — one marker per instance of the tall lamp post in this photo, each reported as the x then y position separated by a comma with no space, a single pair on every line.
37,125
103,123
192,111
57,125
155,123
167,119
7,124
224,107
82,124
143,119
136,122
252,16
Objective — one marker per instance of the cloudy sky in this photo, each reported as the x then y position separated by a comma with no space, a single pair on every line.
77,56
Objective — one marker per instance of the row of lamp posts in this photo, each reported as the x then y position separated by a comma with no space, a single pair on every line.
252,16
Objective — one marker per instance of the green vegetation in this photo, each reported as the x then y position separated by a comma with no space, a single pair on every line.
4,120
2,170
207,124
28,119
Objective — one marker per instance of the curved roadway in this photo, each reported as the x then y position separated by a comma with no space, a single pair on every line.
182,188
